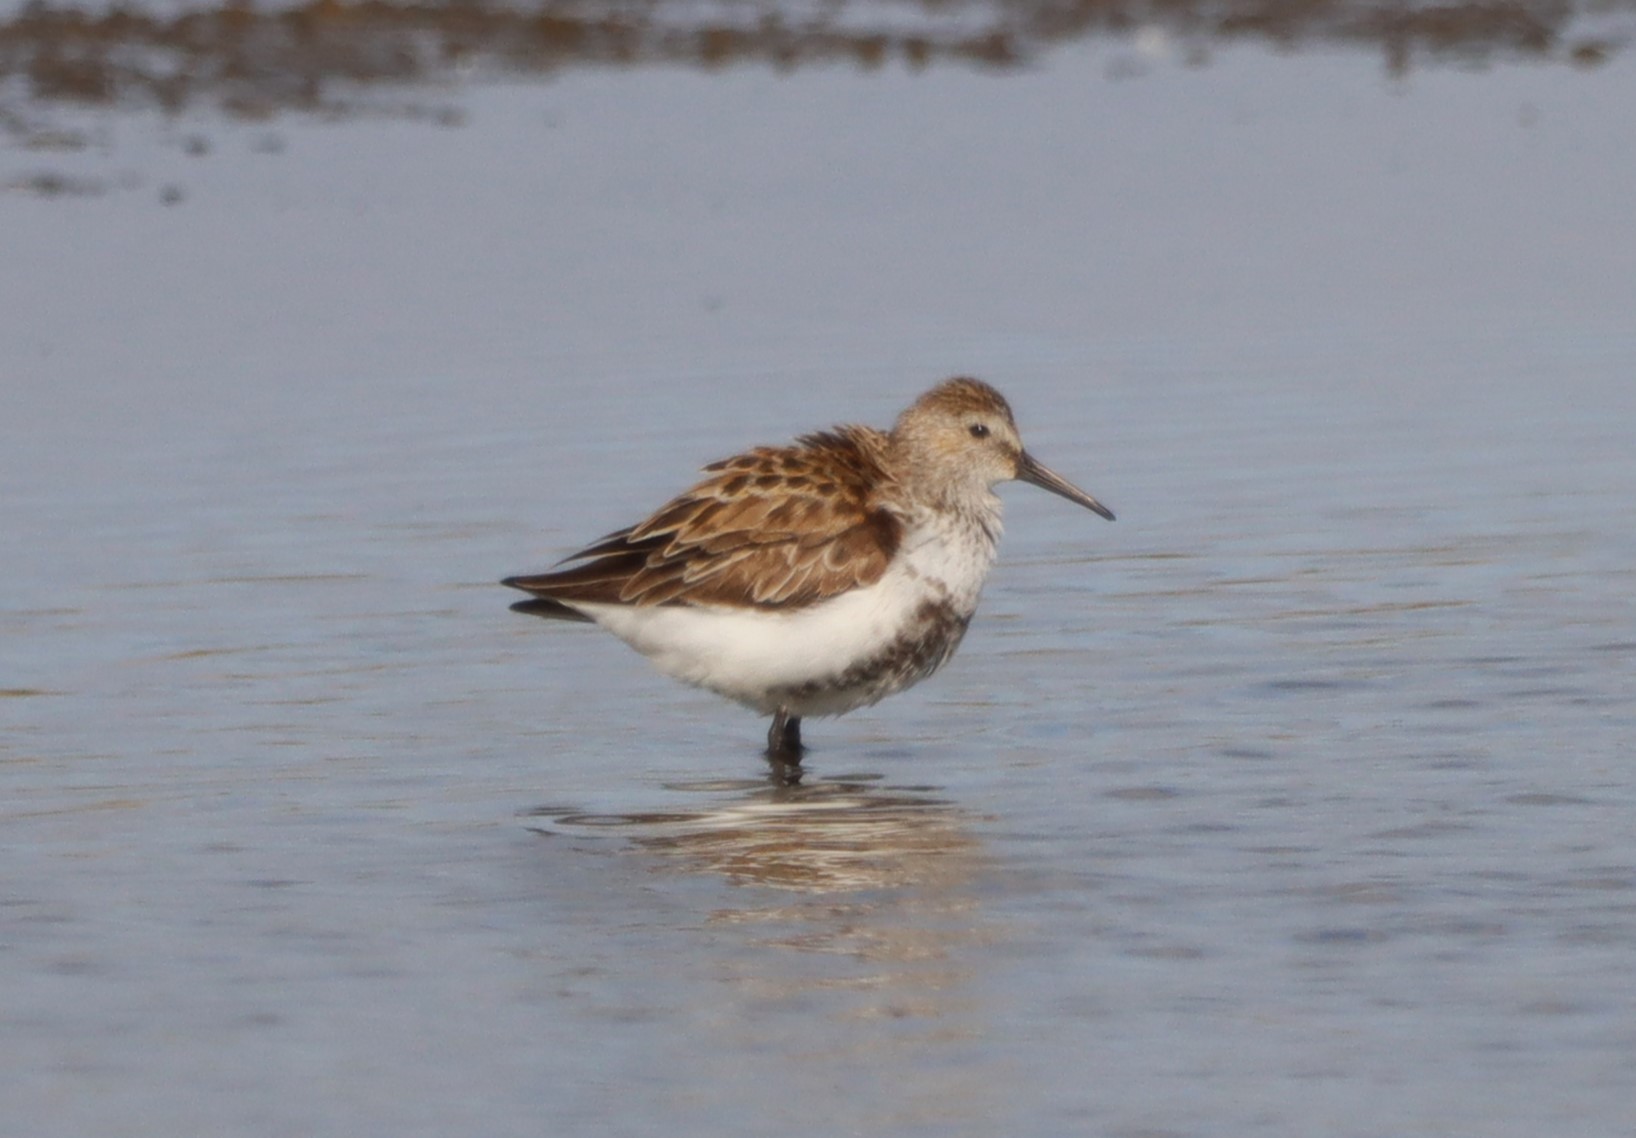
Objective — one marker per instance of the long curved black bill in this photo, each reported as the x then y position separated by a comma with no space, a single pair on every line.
1035,473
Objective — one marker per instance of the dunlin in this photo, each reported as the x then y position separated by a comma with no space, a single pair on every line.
815,578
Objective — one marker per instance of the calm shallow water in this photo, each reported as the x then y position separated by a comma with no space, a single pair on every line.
1298,801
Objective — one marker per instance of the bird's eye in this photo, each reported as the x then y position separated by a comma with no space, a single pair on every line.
978,430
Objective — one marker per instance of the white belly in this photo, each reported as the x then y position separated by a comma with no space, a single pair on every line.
816,660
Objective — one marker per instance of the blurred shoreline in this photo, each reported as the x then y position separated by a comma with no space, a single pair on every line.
324,56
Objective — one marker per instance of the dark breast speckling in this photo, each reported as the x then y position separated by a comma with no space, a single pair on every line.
924,645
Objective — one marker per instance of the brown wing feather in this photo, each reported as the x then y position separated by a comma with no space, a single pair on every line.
785,526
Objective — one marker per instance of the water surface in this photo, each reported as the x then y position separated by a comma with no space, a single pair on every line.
1296,802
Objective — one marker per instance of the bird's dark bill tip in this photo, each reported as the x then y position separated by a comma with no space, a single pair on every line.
1036,473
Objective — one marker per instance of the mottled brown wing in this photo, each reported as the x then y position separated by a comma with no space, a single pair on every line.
786,526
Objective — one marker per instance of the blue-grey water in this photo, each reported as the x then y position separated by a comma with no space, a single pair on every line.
1300,801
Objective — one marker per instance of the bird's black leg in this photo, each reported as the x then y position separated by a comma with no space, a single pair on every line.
784,748
784,738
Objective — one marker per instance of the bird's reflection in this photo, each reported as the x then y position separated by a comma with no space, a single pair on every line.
823,836
845,928
846,865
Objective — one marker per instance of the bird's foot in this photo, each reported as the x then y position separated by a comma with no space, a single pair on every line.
783,772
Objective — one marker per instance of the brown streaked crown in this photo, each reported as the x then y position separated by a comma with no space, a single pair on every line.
960,397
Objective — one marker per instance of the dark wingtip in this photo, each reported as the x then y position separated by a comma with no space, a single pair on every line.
550,610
